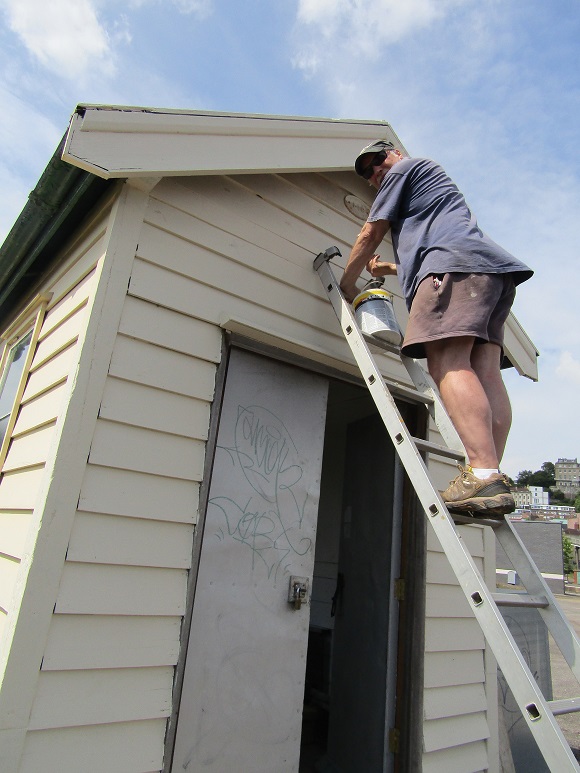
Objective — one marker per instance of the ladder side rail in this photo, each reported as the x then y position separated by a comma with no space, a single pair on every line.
535,709
425,384
554,617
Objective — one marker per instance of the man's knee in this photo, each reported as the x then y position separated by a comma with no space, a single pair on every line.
447,354
486,360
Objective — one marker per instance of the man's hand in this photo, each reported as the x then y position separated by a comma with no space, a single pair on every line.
378,267
362,252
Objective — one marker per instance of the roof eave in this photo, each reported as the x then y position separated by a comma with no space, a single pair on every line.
60,199
127,142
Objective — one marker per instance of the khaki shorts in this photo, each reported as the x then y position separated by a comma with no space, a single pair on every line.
450,305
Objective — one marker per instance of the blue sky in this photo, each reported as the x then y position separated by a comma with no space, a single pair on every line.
489,88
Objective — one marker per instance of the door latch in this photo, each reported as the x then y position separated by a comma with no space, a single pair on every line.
298,592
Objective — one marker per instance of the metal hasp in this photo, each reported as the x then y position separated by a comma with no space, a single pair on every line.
298,591
537,712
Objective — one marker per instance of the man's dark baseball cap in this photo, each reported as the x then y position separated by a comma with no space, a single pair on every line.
374,147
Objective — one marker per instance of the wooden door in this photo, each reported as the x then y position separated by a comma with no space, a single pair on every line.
241,705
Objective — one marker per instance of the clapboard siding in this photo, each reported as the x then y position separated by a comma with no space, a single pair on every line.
52,374
443,733
441,702
109,539
100,589
73,698
38,411
80,258
467,758
14,528
280,195
158,367
122,492
171,330
70,304
125,747
443,669
456,709
439,571
123,589
247,262
60,337
230,302
446,601
143,450
30,449
449,635
42,401
151,408
93,642
8,577
18,490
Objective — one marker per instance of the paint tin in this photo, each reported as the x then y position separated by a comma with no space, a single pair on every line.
375,315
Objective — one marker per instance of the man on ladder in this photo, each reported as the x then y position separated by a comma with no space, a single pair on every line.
459,287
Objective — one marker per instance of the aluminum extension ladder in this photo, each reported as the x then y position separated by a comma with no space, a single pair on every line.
538,712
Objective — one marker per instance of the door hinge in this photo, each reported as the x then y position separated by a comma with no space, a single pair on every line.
399,589
394,736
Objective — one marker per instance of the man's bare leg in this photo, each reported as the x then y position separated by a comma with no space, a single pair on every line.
486,360
475,398
465,397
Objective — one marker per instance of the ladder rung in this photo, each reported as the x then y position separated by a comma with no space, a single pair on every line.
476,520
520,600
381,344
434,448
402,391
565,706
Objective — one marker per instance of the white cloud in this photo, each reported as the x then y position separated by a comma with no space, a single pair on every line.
27,141
202,8
65,37
359,29
454,81
569,368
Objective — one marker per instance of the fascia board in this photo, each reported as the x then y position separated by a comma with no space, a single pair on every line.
519,349
138,142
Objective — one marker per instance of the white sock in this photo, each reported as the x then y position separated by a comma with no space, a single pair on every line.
482,473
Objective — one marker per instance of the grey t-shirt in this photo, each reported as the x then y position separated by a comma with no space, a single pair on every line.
433,229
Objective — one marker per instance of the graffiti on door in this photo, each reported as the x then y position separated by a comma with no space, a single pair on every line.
266,512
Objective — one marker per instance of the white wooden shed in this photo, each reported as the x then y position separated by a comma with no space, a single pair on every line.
184,431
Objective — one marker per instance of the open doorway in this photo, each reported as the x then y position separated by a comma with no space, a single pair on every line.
354,671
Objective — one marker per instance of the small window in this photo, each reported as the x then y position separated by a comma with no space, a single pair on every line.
10,379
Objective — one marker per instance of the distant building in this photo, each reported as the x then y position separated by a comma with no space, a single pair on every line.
522,496
540,498
545,512
567,474
530,496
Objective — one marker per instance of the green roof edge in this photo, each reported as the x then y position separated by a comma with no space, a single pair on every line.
62,196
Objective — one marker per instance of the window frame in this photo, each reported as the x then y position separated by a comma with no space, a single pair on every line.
29,321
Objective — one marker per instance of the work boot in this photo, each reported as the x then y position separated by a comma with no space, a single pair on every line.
468,493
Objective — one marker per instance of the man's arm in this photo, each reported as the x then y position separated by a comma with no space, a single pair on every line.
363,251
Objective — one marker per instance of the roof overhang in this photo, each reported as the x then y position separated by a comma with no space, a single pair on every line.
115,141
107,142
